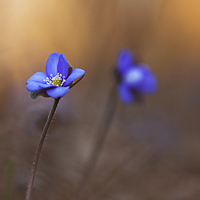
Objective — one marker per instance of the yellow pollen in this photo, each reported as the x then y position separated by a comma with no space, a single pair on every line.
57,81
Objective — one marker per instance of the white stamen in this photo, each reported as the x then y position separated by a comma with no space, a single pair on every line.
57,80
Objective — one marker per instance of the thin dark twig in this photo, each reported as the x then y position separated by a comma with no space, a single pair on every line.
102,133
39,149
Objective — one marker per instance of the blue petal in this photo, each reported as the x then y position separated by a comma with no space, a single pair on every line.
125,94
57,92
141,78
124,60
52,64
149,83
76,73
39,77
34,85
63,65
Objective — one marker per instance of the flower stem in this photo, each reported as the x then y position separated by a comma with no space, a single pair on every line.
102,133
39,149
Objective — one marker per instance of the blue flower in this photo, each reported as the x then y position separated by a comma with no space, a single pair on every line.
58,79
134,80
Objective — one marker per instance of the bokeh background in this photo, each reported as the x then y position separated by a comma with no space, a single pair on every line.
152,150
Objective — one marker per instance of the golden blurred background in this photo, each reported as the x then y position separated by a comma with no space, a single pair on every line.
152,150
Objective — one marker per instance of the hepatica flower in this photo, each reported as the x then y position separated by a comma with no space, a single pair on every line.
58,79
134,79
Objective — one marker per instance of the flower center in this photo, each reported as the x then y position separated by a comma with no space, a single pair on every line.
57,80
133,76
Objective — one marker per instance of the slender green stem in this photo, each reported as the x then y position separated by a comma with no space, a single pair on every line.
102,133
39,149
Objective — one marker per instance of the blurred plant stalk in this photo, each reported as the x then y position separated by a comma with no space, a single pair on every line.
101,135
39,149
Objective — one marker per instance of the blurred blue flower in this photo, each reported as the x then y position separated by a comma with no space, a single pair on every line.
57,80
134,80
